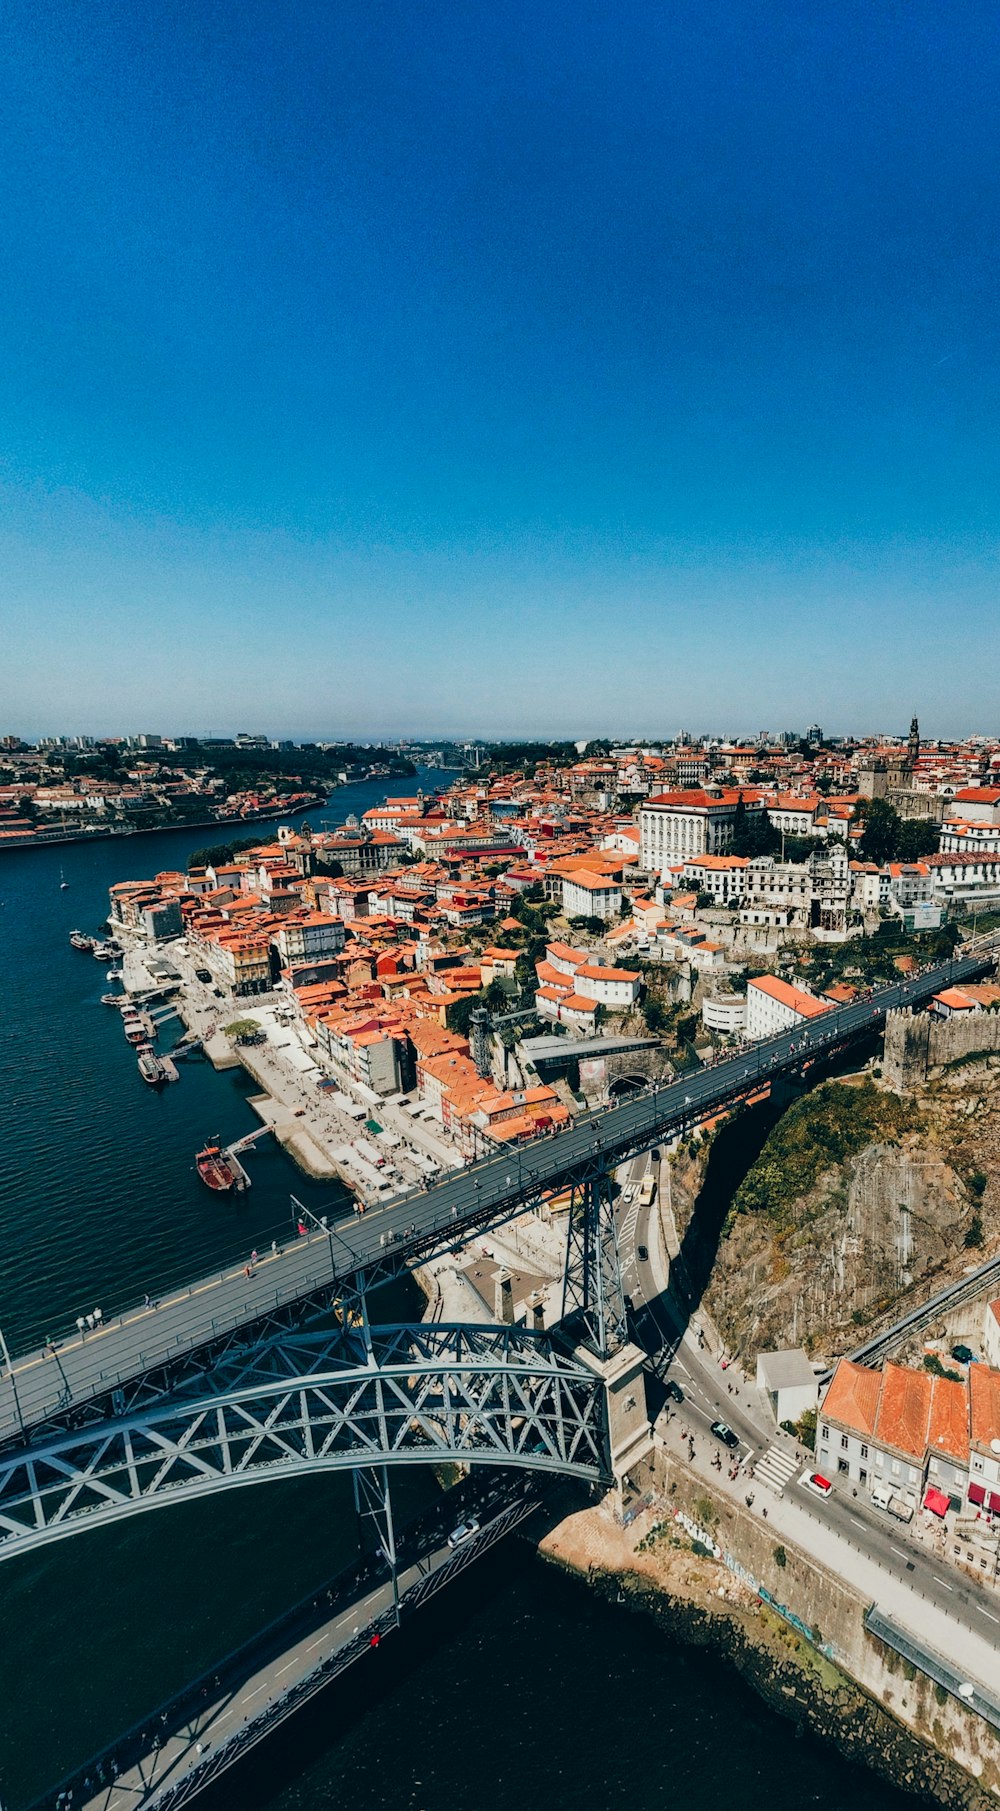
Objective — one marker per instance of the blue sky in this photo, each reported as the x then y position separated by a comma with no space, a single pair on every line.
375,369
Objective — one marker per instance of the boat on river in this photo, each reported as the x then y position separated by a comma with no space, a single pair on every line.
150,1067
80,941
220,1170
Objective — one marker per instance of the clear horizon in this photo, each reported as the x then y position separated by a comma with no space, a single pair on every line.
530,370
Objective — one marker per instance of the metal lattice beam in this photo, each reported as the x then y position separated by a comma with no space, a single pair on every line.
592,1285
303,1404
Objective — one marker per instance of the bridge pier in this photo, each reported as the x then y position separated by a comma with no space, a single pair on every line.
592,1284
628,1429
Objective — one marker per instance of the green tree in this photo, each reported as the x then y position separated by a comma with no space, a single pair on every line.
917,837
753,834
880,836
654,1014
459,1015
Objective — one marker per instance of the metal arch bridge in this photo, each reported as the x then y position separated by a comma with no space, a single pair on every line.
155,1350
319,1402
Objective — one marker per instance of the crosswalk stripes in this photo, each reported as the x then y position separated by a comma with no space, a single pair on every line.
777,1468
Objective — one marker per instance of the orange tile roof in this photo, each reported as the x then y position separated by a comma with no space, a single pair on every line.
852,1399
948,1431
984,1402
904,1410
805,1004
956,998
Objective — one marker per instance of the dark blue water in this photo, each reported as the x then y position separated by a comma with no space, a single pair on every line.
517,1685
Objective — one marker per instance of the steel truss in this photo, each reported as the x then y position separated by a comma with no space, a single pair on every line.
320,1401
592,1284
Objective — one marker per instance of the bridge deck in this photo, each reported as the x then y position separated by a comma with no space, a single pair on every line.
47,1382
185,1744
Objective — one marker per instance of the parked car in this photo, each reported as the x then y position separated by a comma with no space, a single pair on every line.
641,1253
673,1390
724,1433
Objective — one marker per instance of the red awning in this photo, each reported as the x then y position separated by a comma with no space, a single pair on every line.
994,1502
936,1501
977,1493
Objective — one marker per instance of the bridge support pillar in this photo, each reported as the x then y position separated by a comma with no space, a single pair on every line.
592,1285
627,1426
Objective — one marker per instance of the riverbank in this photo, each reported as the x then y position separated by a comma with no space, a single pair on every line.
59,839
327,1130
834,1680
279,1105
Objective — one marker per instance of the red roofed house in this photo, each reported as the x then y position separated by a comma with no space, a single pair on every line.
675,826
774,1006
984,1437
902,1430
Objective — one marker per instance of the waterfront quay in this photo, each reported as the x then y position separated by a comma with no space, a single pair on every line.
324,1129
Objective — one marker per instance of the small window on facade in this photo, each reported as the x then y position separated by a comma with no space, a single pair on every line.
843,1441
864,1452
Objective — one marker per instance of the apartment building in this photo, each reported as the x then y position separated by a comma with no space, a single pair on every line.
587,895
675,826
909,1431
774,1006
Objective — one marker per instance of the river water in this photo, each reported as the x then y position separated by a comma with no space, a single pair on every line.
516,1685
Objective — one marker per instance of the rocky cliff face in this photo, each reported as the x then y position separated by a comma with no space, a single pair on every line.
821,1256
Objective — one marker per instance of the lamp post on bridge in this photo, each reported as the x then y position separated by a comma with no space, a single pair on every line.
321,1225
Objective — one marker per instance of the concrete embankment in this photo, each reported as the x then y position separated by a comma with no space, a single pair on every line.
274,1106
806,1652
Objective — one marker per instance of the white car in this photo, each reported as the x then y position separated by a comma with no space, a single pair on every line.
815,1481
629,1195
464,1532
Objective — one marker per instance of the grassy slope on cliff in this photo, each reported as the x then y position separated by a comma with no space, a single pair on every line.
817,1134
858,1200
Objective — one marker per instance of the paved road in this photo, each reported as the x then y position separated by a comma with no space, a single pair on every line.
43,1384
844,1532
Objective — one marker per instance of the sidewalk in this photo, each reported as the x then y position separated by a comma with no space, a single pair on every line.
972,1655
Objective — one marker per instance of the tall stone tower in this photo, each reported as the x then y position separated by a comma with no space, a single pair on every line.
913,744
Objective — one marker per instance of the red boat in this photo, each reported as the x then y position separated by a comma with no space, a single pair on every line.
220,1170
